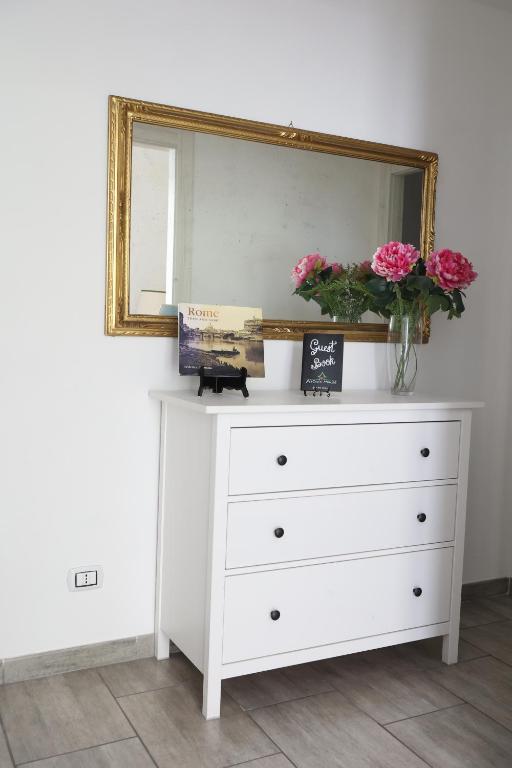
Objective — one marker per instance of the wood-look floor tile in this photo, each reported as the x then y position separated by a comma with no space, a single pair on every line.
386,696
275,761
402,659
147,674
486,683
467,651
405,658
265,688
457,738
327,731
495,639
502,604
474,613
170,723
428,652
122,754
52,715
5,758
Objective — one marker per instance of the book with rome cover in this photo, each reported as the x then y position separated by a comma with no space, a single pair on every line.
222,339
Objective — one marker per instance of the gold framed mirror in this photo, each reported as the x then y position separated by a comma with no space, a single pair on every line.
199,205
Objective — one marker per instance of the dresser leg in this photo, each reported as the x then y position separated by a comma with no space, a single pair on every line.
451,647
211,697
161,645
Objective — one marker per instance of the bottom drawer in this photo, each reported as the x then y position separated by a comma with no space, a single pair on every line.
333,602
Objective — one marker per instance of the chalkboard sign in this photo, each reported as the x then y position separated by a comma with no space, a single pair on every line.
322,362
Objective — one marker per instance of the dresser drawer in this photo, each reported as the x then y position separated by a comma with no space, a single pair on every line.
333,602
268,459
278,530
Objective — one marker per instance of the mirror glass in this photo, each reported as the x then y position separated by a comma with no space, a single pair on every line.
221,220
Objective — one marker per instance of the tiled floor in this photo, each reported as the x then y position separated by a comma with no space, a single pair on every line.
392,708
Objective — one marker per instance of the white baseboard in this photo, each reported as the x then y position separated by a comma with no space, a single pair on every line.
71,659
486,588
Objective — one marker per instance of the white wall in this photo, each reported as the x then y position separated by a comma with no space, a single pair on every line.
79,435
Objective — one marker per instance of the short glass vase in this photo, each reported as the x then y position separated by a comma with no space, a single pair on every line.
346,319
405,333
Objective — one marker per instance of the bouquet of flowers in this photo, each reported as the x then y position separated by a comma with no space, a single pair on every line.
397,284
404,288
404,283
340,291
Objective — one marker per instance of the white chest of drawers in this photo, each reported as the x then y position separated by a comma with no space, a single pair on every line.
293,529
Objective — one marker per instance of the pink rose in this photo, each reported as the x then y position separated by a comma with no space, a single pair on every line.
337,269
365,266
450,269
308,266
394,260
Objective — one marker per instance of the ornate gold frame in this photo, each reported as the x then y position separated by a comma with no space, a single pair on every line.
122,114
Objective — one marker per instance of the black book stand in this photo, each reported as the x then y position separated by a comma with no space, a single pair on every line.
316,391
218,383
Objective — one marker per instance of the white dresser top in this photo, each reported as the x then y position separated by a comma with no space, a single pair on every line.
290,401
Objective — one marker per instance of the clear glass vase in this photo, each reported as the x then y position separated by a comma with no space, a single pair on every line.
346,319
347,305
404,334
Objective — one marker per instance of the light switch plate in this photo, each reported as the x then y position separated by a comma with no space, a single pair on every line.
85,578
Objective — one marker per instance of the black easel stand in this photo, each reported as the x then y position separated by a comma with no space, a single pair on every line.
218,383
316,390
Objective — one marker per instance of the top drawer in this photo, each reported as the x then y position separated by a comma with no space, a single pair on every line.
269,459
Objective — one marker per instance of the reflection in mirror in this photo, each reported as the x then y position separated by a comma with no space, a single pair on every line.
223,220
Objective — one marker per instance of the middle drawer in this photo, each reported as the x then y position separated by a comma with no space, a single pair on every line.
281,530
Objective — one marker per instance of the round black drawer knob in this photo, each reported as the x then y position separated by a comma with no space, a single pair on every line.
281,460
417,591
279,533
425,452
275,615
421,517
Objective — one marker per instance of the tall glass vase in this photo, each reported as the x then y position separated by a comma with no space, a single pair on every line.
404,334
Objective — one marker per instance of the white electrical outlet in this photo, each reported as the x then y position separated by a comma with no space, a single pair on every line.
84,578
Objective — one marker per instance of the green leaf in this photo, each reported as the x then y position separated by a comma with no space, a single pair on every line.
378,285
420,268
446,303
421,283
459,304
433,304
